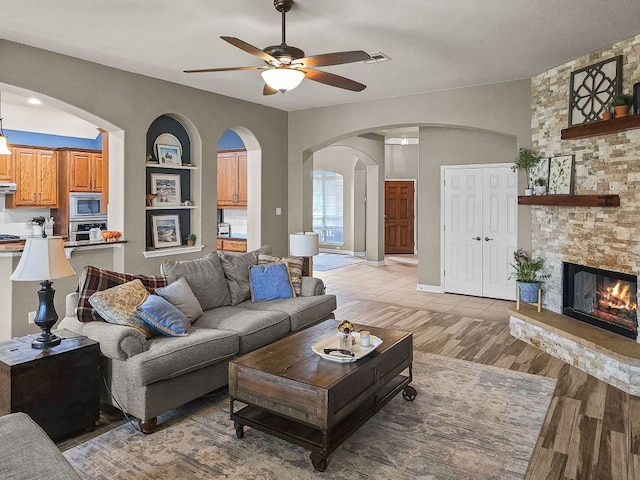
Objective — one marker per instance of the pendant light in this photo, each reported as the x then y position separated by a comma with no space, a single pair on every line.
4,150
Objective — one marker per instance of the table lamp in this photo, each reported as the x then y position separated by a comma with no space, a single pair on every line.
304,244
43,260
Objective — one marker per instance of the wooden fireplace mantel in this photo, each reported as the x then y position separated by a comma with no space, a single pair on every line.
609,200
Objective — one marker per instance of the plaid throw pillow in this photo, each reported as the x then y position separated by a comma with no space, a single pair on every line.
94,279
295,269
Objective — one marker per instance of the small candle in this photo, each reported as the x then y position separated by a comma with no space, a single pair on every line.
365,338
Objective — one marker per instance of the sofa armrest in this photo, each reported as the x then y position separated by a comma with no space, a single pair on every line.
312,286
116,341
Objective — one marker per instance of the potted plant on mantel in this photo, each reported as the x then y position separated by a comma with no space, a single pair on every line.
621,104
529,274
191,239
541,186
525,161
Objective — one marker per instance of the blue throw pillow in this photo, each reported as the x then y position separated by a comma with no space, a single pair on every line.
270,282
164,317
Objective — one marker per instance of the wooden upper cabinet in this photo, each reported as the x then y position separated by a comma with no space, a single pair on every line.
232,178
83,170
36,174
6,172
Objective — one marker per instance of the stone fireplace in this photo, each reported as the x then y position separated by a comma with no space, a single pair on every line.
604,298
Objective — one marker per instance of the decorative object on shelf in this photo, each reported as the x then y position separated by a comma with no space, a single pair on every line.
607,115
169,155
541,186
539,170
43,260
345,329
526,160
187,203
166,139
529,275
110,235
560,175
191,239
621,104
166,231
4,150
150,198
304,244
167,189
592,88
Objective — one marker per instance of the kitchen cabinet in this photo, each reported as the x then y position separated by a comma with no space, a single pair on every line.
232,179
5,168
231,245
35,171
83,170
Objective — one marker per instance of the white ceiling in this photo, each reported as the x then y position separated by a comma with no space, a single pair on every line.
434,45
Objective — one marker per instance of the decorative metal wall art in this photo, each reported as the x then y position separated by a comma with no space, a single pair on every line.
592,88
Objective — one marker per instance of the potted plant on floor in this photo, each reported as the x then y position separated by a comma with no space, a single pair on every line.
621,104
541,186
525,161
191,239
529,274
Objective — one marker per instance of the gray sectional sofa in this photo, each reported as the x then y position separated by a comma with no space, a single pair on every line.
148,377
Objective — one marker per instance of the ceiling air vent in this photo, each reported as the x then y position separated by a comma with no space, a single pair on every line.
377,57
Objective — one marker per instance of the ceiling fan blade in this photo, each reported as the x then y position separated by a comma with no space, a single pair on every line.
333,80
336,58
225,69
242,45
267,90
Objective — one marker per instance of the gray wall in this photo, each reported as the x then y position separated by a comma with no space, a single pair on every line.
122,101
502,108
401,162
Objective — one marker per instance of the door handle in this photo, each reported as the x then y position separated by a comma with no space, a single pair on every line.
476,238
486,239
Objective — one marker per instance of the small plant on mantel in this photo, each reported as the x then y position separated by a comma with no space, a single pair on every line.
191,239
541,185
621,103
529,273
526,160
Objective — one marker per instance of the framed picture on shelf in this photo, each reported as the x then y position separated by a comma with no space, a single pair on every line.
560,175
169,155
166,231
166,187
541,170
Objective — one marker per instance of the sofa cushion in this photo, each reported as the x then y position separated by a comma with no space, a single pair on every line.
254,328
302,311
163,317
171,357
94,279
204,275
236,271
295,268
268,282
119,305
180,295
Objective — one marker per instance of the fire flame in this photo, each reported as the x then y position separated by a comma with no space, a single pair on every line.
616,297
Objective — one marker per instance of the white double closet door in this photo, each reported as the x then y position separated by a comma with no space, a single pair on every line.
480,230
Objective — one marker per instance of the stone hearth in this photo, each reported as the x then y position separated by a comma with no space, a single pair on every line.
605,355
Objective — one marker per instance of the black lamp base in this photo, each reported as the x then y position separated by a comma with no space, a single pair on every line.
46,318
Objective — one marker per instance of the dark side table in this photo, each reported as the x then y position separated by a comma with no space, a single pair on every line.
59,387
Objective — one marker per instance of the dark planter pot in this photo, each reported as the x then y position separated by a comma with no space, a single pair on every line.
529,292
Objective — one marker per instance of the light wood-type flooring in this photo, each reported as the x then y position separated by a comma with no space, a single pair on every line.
592,430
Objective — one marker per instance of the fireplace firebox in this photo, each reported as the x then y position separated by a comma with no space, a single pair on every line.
602,298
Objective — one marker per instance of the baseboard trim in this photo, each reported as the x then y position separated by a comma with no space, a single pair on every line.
376,264
429,288
336,251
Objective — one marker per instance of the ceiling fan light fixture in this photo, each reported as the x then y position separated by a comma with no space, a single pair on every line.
283,79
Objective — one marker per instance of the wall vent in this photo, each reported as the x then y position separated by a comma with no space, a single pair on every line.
377,57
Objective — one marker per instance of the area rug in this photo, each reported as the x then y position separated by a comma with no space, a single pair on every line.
330,261
469,421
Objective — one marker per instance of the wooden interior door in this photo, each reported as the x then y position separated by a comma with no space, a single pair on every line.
399,216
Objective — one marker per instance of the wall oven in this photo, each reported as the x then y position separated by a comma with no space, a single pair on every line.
85,206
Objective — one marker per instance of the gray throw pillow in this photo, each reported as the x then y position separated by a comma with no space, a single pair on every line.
204,275
236,270
180,295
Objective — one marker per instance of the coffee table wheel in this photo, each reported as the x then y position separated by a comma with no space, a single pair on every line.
409,393
319,461
239,430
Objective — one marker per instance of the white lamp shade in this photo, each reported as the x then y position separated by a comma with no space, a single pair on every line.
303,244
283,79
4,150
42,259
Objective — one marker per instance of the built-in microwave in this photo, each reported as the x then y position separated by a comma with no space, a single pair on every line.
85,205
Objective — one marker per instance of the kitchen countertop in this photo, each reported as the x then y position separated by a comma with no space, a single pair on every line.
13,248
238,237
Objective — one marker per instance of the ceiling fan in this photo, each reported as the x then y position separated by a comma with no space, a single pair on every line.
286,66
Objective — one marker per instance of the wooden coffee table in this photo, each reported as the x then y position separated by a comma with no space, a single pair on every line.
294,394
